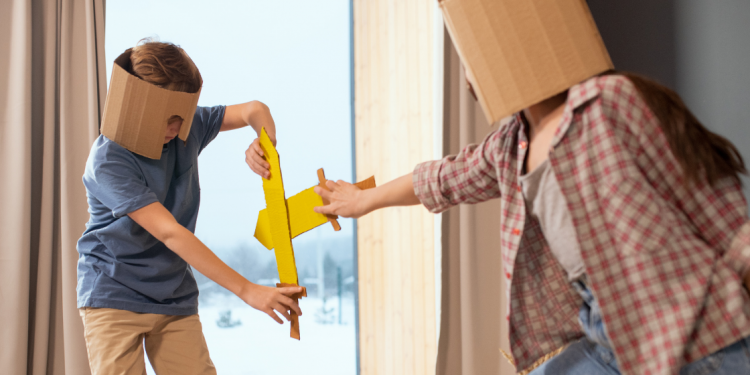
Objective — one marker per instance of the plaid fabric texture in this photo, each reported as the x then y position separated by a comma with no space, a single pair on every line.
663,262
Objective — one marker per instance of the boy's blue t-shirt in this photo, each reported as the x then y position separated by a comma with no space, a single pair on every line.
120,264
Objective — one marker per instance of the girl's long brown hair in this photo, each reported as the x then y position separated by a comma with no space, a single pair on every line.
702,154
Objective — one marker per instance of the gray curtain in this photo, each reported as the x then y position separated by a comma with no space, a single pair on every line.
473,327
52,88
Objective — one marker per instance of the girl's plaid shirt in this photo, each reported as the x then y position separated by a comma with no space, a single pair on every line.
663,262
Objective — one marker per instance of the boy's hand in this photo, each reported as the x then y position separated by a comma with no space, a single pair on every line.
254,158
271,300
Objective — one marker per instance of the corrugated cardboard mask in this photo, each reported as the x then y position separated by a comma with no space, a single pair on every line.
136,112
521,52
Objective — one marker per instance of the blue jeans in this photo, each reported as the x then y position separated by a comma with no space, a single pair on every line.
592,354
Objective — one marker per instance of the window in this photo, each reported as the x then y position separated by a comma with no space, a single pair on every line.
294,56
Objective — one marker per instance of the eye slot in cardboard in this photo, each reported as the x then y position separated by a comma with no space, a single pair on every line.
136,112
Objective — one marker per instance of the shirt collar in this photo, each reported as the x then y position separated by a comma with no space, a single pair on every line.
578,95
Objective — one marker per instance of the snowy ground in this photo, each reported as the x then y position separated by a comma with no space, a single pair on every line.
260,346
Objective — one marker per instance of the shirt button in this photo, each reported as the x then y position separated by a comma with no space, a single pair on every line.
522,145
516,231
507,275
518,188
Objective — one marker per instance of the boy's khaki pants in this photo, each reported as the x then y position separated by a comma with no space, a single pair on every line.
174,343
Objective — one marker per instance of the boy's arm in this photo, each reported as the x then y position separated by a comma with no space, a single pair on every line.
158,221
254,113
258,116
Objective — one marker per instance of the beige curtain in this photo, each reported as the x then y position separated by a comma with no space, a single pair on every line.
473,326
52,86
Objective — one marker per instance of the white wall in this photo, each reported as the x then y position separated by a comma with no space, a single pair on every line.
700,48
713,66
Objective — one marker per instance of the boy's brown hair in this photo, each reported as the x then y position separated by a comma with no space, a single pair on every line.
165,65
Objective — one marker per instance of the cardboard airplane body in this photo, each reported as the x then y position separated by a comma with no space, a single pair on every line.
284,219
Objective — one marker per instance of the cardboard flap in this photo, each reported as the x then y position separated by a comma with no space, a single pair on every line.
136,112
521,52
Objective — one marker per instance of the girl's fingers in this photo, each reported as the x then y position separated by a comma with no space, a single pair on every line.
323,193
325,210
332,186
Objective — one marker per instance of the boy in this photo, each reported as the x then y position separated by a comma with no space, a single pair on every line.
135,281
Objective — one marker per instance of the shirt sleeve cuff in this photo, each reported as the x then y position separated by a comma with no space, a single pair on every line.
426,181
738,255
134,203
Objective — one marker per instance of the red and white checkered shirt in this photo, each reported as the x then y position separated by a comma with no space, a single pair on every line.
663,262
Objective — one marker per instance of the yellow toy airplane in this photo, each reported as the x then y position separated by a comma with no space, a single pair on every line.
284,219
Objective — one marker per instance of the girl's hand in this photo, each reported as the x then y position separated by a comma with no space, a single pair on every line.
254,158
346,199
272,300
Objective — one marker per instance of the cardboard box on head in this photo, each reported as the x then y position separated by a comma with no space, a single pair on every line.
521,52
136,112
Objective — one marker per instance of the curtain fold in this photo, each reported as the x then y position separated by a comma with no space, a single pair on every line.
473,325
52,88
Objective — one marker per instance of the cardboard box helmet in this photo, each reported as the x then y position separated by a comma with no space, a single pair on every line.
136,112
521,52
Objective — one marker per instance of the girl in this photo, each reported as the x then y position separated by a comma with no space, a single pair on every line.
135,282
624,231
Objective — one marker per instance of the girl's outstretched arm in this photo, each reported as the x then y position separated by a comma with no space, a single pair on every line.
348,200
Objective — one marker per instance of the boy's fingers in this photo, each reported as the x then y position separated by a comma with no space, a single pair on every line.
290,290
291,305
258,169
283,311
260,161
255,168
287,301
259,151
273,315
